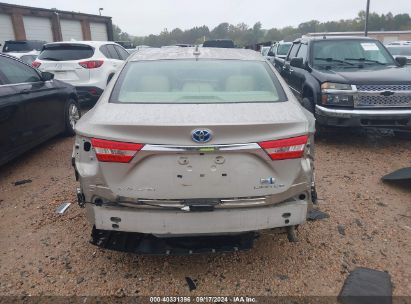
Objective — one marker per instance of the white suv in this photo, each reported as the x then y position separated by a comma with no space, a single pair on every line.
87,65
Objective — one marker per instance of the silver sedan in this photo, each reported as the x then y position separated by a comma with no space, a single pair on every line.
194,142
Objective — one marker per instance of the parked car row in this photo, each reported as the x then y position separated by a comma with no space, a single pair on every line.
40,101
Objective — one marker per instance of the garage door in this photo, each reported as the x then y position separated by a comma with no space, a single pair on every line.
98,31
71,29
38,28
6,29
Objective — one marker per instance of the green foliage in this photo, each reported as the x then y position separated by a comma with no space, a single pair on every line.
244,35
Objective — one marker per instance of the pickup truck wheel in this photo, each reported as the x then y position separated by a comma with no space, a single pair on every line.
72,114
309,105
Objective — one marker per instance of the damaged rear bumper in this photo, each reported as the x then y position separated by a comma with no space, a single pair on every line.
181,223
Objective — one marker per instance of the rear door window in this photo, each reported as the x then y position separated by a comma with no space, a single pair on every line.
66,52
112,52
121,52
16,72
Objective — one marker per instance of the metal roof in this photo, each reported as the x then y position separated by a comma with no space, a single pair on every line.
190,53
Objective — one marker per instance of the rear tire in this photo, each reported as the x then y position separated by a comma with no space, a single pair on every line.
72,114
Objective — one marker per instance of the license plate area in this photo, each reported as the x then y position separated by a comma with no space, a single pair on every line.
210,169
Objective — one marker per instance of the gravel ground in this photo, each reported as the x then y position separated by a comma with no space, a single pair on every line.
42,253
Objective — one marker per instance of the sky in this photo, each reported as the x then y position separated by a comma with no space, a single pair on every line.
143,17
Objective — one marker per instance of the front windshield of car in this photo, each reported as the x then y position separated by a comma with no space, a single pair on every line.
284,48
197,81
400,50
346,53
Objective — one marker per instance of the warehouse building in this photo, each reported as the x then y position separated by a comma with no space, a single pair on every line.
30,23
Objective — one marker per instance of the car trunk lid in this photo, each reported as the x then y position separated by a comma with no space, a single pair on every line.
172,166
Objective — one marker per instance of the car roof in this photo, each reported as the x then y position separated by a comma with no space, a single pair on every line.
22,41
318,38
191,53
90,43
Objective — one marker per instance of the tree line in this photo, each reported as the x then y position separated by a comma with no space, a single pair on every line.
244,35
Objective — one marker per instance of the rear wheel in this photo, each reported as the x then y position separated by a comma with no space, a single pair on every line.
72,114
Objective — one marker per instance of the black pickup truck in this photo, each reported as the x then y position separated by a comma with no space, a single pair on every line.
349,82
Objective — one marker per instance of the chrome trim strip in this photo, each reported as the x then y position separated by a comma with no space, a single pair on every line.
380,93
205,148
339,92
21,83
342,112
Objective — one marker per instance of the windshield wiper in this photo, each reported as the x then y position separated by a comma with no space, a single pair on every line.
334,60
365,60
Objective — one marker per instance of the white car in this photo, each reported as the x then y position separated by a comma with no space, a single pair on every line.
87,65
25,50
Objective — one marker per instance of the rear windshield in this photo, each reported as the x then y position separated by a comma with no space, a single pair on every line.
284,48
400,50
219,44
64,52
21,46
201,81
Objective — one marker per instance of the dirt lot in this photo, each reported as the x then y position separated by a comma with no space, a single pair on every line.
42,253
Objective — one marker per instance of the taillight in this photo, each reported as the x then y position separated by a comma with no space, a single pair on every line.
288,148
91,64
36,64
115,151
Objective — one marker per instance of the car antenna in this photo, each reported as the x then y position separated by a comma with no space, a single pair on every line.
196,52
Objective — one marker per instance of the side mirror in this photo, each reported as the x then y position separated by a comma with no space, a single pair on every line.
401,60
297,62
271,54
46,76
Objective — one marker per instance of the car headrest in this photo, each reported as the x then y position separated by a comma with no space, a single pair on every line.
153,83
238,83
197,87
